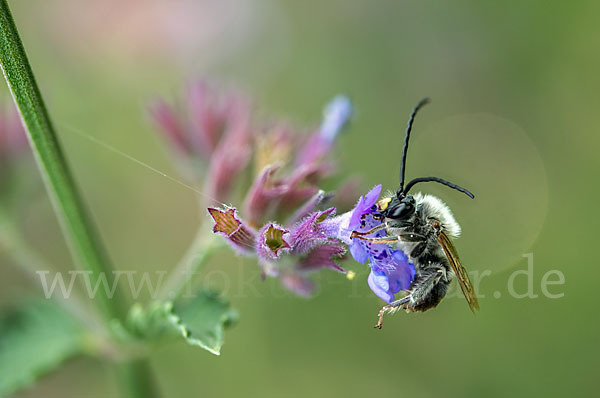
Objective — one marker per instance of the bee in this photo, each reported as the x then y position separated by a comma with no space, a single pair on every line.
422,226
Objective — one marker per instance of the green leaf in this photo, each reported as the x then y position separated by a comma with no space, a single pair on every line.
200,321
34,340
157,321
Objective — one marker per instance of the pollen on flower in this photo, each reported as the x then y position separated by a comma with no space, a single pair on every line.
350,275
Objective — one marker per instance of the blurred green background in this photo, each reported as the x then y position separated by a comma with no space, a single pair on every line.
514,119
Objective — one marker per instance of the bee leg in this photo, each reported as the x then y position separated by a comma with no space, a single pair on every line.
390,307
383,239
404,236
356,234
419,293
423,287
411,237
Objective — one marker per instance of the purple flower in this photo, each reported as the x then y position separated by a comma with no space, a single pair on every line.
335,117
240,236
308,207
291,253
271,241
324,257
342,226
391,271
311,232
317,241
167,120
262,194
230,157
286,227
385,283
217,139
212,137
208,114
298,283
285,182
217,131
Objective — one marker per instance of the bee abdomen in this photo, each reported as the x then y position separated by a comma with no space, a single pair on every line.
431,283
431,300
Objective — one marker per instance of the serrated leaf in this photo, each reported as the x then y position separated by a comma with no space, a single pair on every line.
202,320
35,339
154,322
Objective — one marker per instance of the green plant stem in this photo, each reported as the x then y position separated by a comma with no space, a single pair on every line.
136,380
77,227
68,206
201,249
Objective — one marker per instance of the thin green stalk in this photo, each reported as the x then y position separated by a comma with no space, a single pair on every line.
77,227
30,262
201,249
68,206
136,379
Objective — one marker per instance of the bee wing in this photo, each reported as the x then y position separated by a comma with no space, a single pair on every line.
459,270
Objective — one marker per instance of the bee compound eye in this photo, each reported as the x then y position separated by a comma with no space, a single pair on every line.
401,211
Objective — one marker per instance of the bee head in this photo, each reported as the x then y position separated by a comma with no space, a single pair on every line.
397,207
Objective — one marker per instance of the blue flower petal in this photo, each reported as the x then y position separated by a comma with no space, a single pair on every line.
371,197
403,273
378,282
359,252
364,206
336,116
391,272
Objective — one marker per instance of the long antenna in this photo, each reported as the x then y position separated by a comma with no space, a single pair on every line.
439,180
423,102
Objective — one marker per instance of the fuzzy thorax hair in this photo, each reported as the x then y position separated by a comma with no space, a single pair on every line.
434,207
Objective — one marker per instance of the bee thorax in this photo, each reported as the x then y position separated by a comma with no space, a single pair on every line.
432,207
